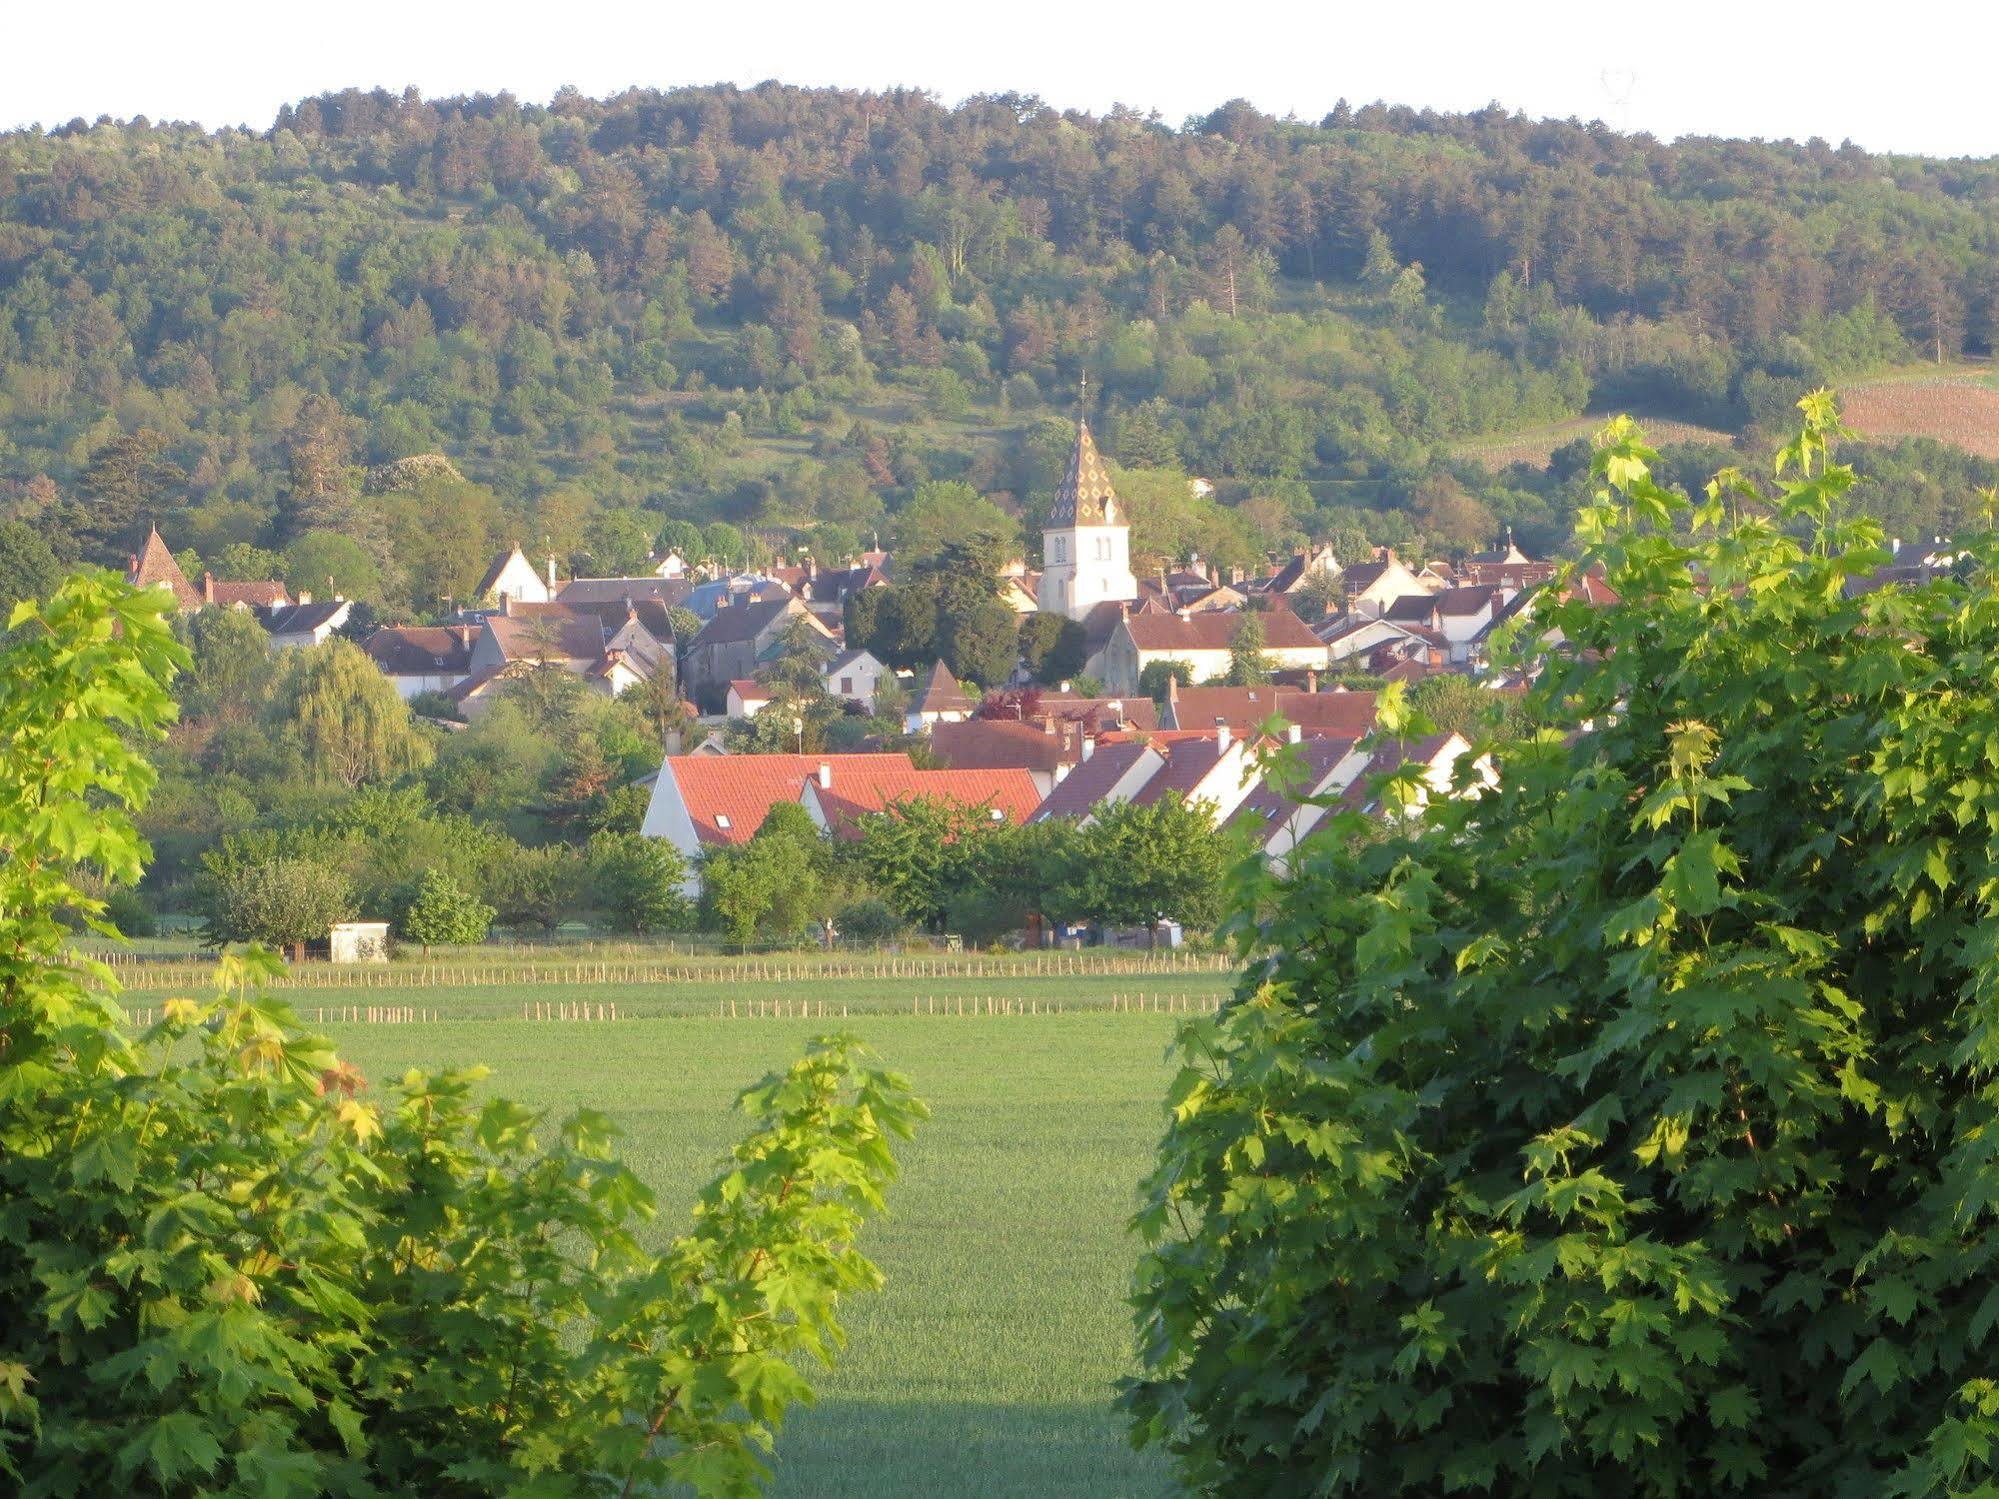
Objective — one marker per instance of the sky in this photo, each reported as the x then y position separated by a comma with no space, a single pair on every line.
1916,77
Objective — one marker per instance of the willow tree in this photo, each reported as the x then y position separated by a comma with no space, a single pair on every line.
347,718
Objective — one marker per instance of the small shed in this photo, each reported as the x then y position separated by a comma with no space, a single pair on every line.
358,942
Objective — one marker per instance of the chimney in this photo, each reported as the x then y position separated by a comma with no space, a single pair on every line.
1293,733
551,573
1048,727
1089,745
304,596
1172,688
1221,733
507,604
825,776
207,586
1062,772
1311,680
1065,685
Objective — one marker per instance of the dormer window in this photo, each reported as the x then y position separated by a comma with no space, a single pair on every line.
722,821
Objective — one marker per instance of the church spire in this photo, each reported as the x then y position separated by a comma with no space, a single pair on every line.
1086,497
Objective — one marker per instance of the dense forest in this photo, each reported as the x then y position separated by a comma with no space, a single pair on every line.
783,314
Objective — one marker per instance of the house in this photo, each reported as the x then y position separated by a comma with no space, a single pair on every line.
1459,615
942,700
709,800
672,565
1436,756
1279,811
838,796
1340,714
1212,769
740,638
153,566
611,649
1203,643
1104,775
1360,636
304,623
217,593
826,590
422,658
666,593
1046,750
1300,569
512,576
853,676
1095,714
747,698
1373,586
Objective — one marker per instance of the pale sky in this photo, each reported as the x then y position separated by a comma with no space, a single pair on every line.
1918,76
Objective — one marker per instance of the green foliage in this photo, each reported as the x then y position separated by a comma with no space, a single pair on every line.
441,911
345,717
278,901
985,644
29,567
232,1270
636,882
1153,679
1626,1128
1458,704
1053,646
1248,665
539,887
1134,864
871,920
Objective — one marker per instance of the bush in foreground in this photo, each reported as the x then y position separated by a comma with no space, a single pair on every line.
227,1268
1631,1128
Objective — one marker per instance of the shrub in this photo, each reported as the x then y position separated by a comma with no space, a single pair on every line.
439,911
1627,1128
870,920
282,902
636,882
230,1268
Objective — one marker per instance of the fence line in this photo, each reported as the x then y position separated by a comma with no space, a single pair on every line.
177,975
927,1006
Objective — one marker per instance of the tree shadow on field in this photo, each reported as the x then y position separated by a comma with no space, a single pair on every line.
848,1449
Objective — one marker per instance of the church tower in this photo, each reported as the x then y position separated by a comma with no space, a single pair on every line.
1086,548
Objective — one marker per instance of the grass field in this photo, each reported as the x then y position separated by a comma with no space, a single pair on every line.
986,1366
1534,445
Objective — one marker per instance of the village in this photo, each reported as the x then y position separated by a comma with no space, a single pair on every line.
1191,683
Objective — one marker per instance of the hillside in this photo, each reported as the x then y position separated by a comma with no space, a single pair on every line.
790,313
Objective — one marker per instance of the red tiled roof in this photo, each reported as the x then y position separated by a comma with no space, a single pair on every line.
554,630
743,788
1243,708
1188,762
749,690
986,744
1216,631
267,594
860,789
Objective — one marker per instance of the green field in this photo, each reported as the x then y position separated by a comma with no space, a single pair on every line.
986,1365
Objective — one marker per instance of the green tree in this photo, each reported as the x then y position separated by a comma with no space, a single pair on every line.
619,542
1134,864
985,644
539,887
440,911
345,717
918,852
1624,1128
325,563
281,902
1249,666
1053,646
1463,705
944,511
29,567
128,483
636,882
585,1361
1153,679
231,673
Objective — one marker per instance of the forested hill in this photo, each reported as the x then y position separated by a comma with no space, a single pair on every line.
788,310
